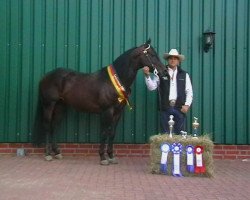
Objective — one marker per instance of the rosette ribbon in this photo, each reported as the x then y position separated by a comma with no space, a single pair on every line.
176,149
199,166
190,158
165,148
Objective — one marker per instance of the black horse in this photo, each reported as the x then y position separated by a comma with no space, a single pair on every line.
105,92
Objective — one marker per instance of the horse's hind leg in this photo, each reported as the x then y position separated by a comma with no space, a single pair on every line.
47,117
56,119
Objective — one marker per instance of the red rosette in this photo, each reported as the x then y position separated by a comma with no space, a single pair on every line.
199,164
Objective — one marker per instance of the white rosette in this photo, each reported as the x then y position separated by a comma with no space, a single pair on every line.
176,149
165,148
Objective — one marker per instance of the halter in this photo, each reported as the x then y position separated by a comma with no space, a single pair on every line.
145,51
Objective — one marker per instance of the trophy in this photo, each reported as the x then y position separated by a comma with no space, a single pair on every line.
195,127
184,134
171,125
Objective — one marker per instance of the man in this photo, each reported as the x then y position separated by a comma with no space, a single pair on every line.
175,92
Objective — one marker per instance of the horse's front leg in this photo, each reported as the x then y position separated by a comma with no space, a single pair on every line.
106,131
110,149
48,156
56,148
103,161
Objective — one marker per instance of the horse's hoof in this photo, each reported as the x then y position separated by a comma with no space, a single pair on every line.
113,160
48,158
104,162
59,156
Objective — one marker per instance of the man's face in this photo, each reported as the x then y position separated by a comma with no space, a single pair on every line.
173,61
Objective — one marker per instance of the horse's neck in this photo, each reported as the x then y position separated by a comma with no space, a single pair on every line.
126,68
126,74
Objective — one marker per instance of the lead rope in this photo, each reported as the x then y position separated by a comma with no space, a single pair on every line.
159,99
156,74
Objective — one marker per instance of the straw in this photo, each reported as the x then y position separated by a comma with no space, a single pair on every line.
155,153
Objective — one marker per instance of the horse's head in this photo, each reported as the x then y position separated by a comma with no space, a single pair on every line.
147,56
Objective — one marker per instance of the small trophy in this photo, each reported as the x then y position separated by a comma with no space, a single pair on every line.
195,127
171,125
184,134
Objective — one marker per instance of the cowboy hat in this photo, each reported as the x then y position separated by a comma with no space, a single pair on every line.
175,53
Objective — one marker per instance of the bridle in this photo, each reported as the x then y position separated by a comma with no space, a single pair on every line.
145,51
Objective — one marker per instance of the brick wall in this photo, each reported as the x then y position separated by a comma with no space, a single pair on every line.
123,150
231,152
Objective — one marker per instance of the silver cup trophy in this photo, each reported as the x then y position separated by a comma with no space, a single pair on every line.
195,127
171,125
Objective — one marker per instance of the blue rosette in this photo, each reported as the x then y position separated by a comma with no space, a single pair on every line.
190,158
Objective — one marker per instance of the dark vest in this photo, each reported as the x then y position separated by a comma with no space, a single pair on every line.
165,86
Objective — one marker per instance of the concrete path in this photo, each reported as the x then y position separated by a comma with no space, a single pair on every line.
80,178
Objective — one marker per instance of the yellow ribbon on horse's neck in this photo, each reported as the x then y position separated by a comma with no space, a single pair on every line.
118,86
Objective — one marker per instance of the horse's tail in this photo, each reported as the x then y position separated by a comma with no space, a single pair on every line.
37,134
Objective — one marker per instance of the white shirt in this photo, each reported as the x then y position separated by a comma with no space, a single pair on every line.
152,84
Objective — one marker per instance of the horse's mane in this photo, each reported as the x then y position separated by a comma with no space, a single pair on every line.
123,60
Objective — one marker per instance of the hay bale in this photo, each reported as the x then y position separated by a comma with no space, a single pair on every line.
155,153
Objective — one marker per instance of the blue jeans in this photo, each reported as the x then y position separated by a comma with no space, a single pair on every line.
179,119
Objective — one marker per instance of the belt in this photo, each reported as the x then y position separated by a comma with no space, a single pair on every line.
172,102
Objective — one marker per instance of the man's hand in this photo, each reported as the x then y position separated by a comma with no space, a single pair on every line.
146,71
185,108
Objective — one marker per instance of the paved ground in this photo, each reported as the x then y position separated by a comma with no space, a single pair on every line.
80,178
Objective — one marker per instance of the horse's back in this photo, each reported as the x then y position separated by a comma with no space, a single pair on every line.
85,92
89,92
57,74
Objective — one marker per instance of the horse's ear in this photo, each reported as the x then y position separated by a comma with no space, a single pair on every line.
148,41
